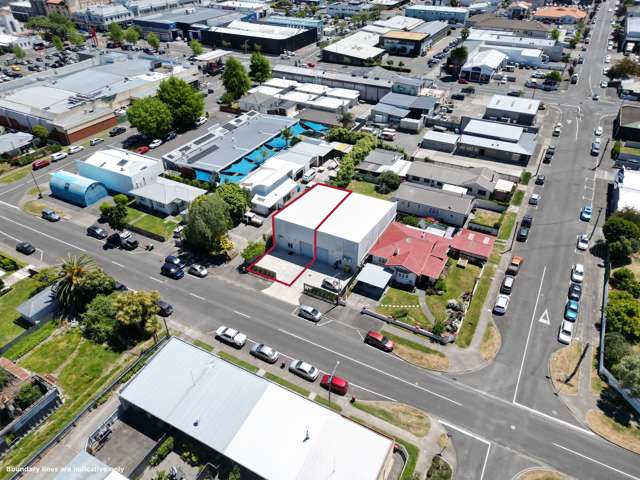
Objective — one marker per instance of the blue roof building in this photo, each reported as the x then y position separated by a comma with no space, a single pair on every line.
76,189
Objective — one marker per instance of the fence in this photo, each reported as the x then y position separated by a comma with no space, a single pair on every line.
28,331
420,331
142,358
633,402
137,472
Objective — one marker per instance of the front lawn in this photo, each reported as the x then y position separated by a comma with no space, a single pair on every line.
472,317
20,292
15,175
457,281
487,218
151,223
403,306
508,221
517,198
367,188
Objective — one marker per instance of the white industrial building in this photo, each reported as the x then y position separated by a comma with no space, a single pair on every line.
271,185
513,109
331,222
482,65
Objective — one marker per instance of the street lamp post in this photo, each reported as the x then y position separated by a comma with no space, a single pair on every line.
331,380
37,186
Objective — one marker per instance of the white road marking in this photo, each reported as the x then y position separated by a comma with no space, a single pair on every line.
241,314
484,465
526,345
117,264
197,296
544,318
557,420
10,236
597,462
476,437
9,205
43,234
155,279
325,323
373,392
407,382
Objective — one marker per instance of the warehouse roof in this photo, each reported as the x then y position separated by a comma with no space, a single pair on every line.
359,45
401,100
13,141
491,21
441,137
262,30
229,409
438,8
120,161
431,28
390,110
493,130
434,197
399,22
485,58
402,35
85,466
514,104
525,146
165,191
336,76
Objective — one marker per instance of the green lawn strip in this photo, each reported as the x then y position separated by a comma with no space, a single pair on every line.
20,292
203,345
470,323
508,222
287,384
458,280
517,198
237,361
323,401
50,355
412,450
133,215
381,413
151,223
15,175
395,296
525,178
487,218
20,263
367,188
31,341
411,344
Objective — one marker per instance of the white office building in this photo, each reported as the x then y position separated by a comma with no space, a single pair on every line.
272,184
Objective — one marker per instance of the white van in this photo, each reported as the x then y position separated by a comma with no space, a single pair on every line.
388,134
309,175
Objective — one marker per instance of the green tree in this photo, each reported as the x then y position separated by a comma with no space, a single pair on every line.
116,33
131,35
630,214
185,103
209,221
260,68
346,119
116,215
29,394
620,251
287,135
95,282
58,43
41,133
52,25
623,68
136,313
458,57
554,76
623,315
616,227
253,250
234,474
18,52
628,373
71,274
464,33
196,47
615,349
76,38
390,180
624,279
555,34
235,79
99,320
150,116
153,40
236,198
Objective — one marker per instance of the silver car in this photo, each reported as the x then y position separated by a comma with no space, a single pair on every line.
304,370
310,313
265,352
198,270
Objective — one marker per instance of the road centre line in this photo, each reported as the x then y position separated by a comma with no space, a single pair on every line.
196,296
43,234
154,279
407,382
241,314
597,462
10,236
526,345
117,264
9,205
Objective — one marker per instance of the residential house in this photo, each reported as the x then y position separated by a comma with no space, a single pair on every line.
379,161
450,207
271,185
479,182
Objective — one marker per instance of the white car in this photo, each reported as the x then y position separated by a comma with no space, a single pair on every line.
304,370
610,10
604,83
120,111
605,70
566,332
610,47
577,273
74,149
58,156
534,199
231,336
156,143
201,121
501,305
607,59
583,242
598,131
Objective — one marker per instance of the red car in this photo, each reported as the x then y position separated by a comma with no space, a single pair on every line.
376,339
462,81
38,164
142,150
337,385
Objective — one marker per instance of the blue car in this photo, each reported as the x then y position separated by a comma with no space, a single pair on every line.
172,271
585,213
571,310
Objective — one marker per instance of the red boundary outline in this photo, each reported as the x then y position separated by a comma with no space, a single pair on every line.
315,235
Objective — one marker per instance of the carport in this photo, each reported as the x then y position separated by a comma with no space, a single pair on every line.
372,280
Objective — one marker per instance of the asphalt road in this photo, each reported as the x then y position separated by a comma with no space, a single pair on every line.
502,418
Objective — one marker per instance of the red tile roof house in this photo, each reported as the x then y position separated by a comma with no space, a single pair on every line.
474,246
413,256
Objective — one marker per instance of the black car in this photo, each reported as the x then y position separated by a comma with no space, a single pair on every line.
515,93
457,96
527,221
164,308
575,291
120,287
25,247
123,240
97,232
177,261
133,141
523,234
540,179
172,271
170,136
116,131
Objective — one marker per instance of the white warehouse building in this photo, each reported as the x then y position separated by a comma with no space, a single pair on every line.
340,226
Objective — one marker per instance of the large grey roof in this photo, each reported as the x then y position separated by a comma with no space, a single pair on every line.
434,197
87,467
493,130
341,77
390,110
454,176
165,191
401,100
431,28
514,104
13,141
525,146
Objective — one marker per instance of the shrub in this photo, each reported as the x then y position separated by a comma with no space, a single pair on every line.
409,220
163,450
28,395
389,179
624,279
438,328
615,349
441,285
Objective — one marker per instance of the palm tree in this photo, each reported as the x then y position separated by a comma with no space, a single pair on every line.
287,135
346,119
72,271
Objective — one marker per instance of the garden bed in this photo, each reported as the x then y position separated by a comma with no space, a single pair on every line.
150,225
456,282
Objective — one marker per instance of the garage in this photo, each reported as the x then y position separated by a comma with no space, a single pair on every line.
306,249
323,254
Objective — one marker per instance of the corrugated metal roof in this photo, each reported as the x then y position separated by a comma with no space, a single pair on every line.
434,197
514,104
493,130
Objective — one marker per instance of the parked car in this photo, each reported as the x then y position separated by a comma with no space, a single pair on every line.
123,239
571,310
172,271
310,313
540,179
577,273
75,149
201,121
565,333
174,260
170,136
164,308
142,150
376,339
231,336
514,265
527,221
304,370
155,143
309,175
56,157
598,131
50,215
523,234
556,131
534,199
334,383
265,352
198,270
575,291
38,164
95,141
586,213
501,305
507,284
583,242
97,232
116,131
25,247
595,148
